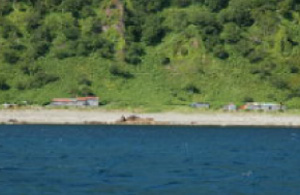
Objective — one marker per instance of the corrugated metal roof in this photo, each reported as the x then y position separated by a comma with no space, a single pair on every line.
87,98
63,100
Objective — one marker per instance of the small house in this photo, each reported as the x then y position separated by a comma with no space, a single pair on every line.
272,107
64,102
262,106
230,107
203,105
88,101
80,101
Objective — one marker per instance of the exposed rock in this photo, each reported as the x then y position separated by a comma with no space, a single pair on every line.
13,121
133,119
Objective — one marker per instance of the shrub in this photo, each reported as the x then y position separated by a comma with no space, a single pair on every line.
81,90
220,52
243,47
87,12
153,31
97,26
294,93
231,33
117,71
280,83
248,99
85,91
184,51
65,50
9,30
182,3
3,84
294,69
85,81
41,49
191,88
30,69
5,7
134,53
262,72
165,60
21,85
10,56
256,56
41,79
72,32
33,22
107,51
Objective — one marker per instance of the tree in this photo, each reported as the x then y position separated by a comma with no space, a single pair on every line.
216,5
178,21
30,69
5,7
134,53
238,12
153,30
182,3
231,33
72,32
33,21
151,6
10,56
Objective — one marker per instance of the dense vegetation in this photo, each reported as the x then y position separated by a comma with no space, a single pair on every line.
151,53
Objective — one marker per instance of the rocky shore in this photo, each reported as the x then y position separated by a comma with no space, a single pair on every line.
44,116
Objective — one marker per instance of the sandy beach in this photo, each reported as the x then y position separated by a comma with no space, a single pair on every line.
45,116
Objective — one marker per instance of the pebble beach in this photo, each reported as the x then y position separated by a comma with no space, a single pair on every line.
60,116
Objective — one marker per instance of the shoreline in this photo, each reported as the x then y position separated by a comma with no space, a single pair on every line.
99,117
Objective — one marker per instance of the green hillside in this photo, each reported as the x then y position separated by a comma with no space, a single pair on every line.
156,53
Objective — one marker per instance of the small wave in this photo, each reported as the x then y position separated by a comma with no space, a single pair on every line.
294,134
248,173
294,137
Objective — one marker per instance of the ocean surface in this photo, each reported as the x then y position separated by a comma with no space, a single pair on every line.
52,160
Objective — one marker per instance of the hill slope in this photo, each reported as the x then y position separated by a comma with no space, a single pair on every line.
150,53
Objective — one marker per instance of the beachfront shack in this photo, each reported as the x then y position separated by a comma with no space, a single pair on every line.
87,101
202,105
80,101
262,106
230,107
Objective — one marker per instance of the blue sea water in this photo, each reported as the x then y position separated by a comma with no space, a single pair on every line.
51,160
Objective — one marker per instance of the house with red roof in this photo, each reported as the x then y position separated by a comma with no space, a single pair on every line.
79,101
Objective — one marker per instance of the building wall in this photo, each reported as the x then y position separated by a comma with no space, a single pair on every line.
81,103
230,107
265,107
63,103
200,105
93,102
89,102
